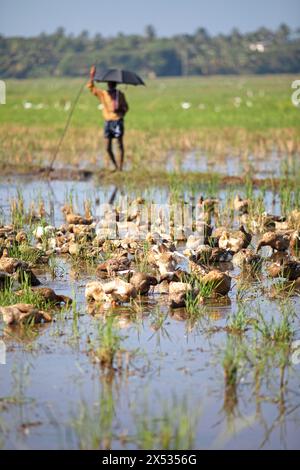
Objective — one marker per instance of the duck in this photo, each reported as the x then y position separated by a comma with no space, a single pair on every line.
11,265
18,267
168,262
120,262
94,291
87,209
202,254
194,242
269,221
236,240
157,249
115,291
276,240
220,255
127,244
221,282
154,238
36,215
49,295
82,231
23,313
6,230
21,237
139,201
247,258
142,282
178,292
216,234
197,269
74,248
208,205
75,219
288,269
41,232
241,205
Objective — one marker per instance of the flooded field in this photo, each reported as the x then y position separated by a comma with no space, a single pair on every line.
271,166
223,371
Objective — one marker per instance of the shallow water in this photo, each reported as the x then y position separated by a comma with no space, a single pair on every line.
54,396
56,193
270,166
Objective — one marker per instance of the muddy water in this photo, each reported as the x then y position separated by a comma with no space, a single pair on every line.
53,395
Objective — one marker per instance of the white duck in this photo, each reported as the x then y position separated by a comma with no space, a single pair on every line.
115,291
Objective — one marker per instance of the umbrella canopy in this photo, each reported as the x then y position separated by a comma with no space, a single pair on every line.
119,76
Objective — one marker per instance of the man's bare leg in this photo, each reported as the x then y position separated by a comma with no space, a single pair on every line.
121,152
108,145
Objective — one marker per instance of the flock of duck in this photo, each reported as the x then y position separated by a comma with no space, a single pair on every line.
192,269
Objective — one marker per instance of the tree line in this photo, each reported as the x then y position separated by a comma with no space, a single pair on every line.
60,54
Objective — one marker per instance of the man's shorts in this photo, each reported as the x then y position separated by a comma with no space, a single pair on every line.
114,129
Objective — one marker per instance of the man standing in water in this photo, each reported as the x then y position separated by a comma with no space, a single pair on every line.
114,109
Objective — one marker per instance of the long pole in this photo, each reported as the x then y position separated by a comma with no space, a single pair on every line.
55,154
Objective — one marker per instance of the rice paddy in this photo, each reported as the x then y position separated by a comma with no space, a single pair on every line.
246,119
157,308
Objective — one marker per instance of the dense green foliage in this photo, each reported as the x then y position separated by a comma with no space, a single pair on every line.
58,54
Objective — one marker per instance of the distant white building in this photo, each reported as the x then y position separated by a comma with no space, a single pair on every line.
258,47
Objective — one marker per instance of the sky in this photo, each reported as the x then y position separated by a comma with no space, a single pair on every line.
31,17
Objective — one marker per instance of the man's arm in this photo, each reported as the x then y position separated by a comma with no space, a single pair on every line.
124,105
91,84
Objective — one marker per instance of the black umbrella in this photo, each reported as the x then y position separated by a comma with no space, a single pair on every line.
119,76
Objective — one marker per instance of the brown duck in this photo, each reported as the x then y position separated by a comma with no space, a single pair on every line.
110,267
142,282
178,292
49,295
241,205
276,240
114,291
236,240
247,258
21,237
208,255
288,269
17,267
23,313
75,219
220,281
219,255
208,205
